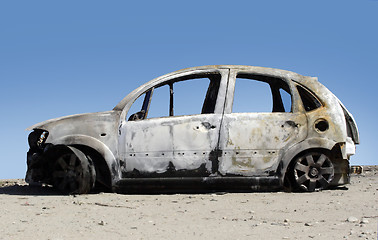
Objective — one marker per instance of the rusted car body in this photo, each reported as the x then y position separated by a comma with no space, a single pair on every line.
303,142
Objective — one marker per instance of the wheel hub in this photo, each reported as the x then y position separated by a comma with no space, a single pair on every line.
314,172
71,174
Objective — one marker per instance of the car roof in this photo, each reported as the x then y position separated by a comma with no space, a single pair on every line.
273,72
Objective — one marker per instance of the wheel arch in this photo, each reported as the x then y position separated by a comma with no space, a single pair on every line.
96,149
312,144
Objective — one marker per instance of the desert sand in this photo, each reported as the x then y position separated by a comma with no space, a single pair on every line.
349,212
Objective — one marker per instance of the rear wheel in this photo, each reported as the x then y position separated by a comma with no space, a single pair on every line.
73,172
313,171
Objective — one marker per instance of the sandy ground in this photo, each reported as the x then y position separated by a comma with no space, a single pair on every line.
40,213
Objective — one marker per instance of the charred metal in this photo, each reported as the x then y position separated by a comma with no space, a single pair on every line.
218,141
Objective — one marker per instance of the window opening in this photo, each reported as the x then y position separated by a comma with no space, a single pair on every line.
160,102
146,101
136,107
286,100
188,95
310,102
258,93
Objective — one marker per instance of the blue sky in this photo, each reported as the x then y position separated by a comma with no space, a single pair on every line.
67,57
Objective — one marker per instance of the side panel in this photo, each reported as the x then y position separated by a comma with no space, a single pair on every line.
171,145
252,143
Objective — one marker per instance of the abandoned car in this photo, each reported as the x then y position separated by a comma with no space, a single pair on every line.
205,126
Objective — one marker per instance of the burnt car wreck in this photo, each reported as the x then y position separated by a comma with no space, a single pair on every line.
302,142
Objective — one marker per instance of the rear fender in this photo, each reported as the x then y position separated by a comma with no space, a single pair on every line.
292,152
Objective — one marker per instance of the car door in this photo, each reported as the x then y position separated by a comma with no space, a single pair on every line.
176,129
261,120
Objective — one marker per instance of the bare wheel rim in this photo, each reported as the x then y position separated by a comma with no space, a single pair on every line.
313,171
68,173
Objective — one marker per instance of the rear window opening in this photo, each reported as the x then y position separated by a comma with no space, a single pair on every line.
258,93
309,100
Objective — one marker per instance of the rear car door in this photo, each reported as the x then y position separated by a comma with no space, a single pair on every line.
261,120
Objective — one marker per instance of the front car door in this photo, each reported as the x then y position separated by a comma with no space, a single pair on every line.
172,129
261,120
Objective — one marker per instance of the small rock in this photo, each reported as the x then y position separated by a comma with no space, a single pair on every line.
220,193
308,224
102,223
286,220
364,221
352,232
352,219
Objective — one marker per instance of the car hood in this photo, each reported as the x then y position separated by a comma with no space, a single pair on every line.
84,117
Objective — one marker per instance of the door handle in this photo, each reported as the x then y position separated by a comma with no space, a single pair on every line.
292,124
208,126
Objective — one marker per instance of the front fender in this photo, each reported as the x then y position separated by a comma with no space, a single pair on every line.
97,145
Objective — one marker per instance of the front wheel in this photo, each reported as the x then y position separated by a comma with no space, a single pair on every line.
73,172
313,171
